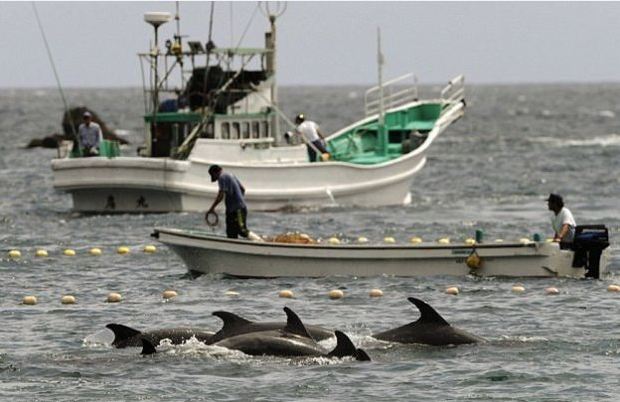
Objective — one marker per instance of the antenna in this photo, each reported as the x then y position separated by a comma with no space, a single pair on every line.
156,19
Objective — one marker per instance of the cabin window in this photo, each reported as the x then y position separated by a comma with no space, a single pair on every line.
225,131
245,130
265,129
234,135
255,129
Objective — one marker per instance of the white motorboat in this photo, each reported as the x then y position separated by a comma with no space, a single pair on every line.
206,253
230,116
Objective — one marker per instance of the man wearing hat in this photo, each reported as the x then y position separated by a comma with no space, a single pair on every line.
562,220
231,190
89,136
314,138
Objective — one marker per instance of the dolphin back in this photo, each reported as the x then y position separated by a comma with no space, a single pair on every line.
430,329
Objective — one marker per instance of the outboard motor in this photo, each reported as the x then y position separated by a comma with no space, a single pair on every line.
589,243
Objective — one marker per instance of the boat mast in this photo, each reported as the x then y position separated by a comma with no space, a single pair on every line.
381,121
270,39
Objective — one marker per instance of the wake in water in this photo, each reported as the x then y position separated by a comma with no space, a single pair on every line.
610,140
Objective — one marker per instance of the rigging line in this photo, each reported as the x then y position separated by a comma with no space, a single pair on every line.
248,26
249,23
232,32
209,44
51,59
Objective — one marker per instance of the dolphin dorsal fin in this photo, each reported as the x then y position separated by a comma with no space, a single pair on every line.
231,320
147,347
294,324
344,346
427,313
122,332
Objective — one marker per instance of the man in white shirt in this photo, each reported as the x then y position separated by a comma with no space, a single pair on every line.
562,220
89,136
314,138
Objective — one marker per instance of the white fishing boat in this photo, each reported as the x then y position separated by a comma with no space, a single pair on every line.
230,116
205,253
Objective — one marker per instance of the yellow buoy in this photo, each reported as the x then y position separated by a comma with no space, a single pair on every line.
15,254
29,300
231,293
444,240
69,252
150,248
613,288
474,261
470,241
452,290
67,299
415,240
287,294
114,297
518,288
336,294
95,251
499,240
376,293
389,239
549,240
169,294
362,239
41,253
524,240
122,250
333,240
552,291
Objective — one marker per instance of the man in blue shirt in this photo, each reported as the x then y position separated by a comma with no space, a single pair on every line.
232,191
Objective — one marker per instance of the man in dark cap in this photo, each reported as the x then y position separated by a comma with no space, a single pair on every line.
562,220
231,190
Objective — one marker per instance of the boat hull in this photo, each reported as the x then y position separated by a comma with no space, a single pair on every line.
122,185
209,254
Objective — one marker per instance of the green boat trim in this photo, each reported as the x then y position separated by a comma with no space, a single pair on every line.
403,131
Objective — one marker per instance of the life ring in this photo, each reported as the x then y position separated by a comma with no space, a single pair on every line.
212,219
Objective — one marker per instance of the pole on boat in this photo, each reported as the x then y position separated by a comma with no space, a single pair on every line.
381,121
270,42
156,19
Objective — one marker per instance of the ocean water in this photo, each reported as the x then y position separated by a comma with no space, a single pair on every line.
491,170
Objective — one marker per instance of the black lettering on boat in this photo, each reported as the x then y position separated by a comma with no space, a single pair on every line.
110,203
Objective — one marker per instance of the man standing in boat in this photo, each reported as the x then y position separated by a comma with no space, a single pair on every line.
314,138
562,220
89,136
232,191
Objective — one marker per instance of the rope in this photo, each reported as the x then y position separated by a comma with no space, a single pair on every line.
51,59
245,31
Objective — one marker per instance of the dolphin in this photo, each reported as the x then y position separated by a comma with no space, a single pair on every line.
125,336
429,329
293,340
235,325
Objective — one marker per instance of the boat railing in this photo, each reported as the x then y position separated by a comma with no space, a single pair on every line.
455,90
396,92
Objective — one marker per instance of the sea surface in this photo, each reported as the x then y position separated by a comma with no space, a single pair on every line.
492,170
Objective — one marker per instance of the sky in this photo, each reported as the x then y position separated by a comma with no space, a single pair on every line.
94,44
